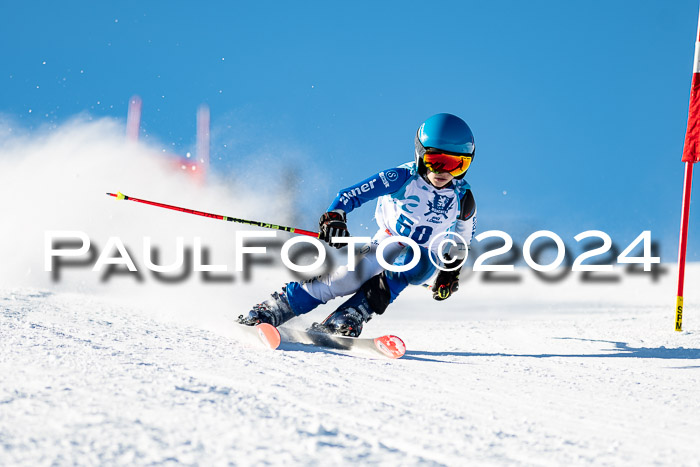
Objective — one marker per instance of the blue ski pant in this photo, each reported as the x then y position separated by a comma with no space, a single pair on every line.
304,297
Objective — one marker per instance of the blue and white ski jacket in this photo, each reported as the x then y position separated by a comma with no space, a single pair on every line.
411,207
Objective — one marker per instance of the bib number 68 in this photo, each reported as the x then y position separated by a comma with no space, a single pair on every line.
420,234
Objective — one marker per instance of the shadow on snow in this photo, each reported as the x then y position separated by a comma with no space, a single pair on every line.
620,350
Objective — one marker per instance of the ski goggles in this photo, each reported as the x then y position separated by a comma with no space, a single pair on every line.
453,164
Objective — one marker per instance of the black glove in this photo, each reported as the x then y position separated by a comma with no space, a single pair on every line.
446,283
332,224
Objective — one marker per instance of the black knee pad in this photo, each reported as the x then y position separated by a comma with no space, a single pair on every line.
377,293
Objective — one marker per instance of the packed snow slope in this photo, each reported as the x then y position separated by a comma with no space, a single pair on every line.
99,369
526,374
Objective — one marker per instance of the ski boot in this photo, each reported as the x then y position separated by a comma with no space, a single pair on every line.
348,319
275,311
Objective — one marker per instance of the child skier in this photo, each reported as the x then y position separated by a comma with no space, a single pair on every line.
422,200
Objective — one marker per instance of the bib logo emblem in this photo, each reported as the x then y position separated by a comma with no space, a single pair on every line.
410,202
439,206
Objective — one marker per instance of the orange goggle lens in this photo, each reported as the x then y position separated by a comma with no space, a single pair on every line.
453,164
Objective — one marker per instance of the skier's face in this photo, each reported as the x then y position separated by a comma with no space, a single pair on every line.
439,180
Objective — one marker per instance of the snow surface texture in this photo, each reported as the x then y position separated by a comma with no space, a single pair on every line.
570,377
137,373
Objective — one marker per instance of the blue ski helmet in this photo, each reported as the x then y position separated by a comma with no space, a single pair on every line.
446,133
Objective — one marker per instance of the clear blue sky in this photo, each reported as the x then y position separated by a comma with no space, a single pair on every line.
578,108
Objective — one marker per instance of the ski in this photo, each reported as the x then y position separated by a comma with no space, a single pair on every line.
386,346
271,337
267,334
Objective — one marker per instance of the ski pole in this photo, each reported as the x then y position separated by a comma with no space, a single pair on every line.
121,196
